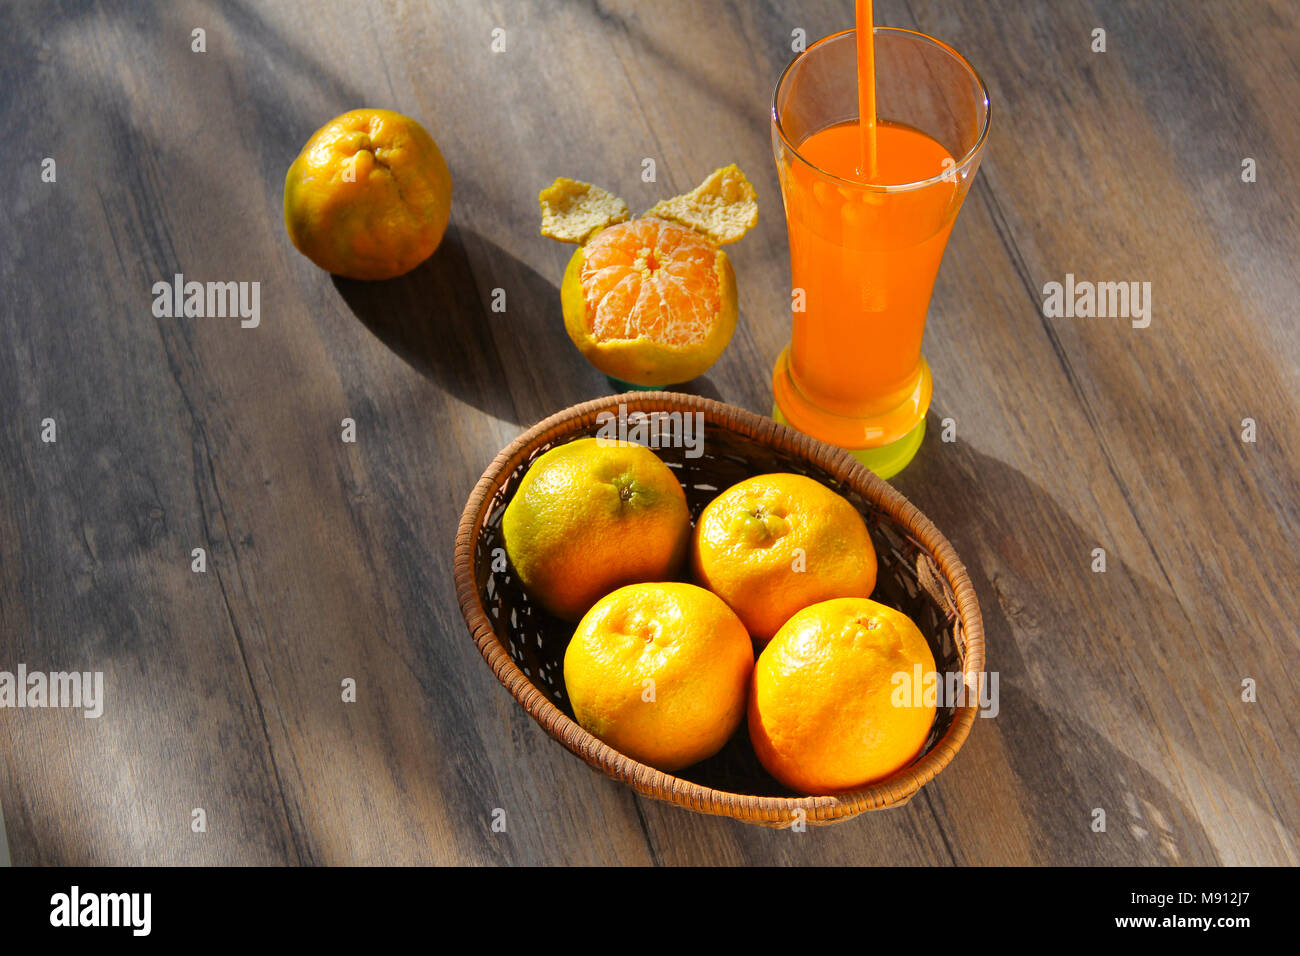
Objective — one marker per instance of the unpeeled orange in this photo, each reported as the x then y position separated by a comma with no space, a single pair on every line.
660,672
829,709
776,543
591,516
369,196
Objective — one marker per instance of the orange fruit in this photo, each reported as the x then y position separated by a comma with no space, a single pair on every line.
369,196
774,544
591,516
660,672
831,703
652,301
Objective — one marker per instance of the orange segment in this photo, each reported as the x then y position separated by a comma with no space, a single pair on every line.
651,279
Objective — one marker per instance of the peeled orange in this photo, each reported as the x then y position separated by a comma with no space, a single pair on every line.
652,301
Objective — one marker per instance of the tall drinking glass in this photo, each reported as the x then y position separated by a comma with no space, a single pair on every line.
864,255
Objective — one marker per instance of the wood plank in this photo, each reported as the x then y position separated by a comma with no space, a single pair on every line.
329,560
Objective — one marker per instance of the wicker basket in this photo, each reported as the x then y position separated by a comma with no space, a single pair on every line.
918,573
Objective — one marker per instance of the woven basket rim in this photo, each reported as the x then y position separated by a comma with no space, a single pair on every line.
772,810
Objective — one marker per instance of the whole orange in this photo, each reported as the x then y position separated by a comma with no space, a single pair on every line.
369,196
660,672
590,516
774,544
832,704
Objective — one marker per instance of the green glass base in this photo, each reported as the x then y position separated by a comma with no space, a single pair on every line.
886,460
618,385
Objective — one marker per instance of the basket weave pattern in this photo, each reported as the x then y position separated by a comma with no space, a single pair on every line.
919,574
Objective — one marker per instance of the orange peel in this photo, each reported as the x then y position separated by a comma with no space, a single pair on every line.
574,211
724,207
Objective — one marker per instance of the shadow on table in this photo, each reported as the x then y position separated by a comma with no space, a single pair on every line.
702,386
1043,606
1051,756
496,342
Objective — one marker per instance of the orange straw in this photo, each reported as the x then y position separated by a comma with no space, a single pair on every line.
866,90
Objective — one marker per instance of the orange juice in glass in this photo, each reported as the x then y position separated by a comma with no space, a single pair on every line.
868,219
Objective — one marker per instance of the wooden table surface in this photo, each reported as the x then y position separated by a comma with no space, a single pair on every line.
1119,691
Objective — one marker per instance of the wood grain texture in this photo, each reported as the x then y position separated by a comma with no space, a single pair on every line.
327,560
